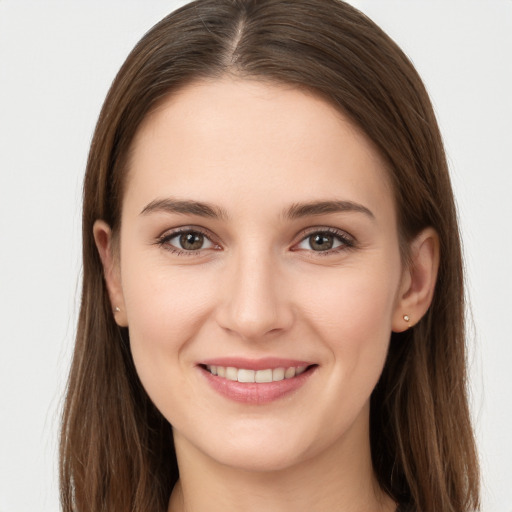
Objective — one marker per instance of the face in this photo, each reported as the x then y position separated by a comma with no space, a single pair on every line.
259,272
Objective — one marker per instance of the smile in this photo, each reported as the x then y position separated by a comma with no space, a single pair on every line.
259,376
256,382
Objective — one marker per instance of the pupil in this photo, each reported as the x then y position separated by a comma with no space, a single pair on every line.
191,241
321,242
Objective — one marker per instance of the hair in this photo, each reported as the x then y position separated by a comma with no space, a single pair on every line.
116,450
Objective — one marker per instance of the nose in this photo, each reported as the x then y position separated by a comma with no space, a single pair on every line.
256,301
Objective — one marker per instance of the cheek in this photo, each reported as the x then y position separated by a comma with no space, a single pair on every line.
352,303
351,314
166,307
164,302
165,310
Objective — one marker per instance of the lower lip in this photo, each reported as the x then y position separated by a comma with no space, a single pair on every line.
256,393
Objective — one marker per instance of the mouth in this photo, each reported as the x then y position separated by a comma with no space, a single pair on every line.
260,376
256,382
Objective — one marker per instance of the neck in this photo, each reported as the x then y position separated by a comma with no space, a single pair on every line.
339,479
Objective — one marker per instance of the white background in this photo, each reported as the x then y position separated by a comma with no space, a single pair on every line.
57,60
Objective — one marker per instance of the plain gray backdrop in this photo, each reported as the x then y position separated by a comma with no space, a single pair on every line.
57,60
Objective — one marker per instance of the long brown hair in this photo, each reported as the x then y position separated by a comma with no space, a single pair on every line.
116,448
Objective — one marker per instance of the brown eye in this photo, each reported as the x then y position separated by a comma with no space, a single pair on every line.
325,241
191,241
321,241
186,241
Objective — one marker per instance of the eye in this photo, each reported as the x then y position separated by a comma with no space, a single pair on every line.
186,241
323,241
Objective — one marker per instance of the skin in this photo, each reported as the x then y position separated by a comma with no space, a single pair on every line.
258,288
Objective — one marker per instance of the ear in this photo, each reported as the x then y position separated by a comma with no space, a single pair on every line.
418,281
111,270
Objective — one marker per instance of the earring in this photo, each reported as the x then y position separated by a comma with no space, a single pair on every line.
117,310
406,318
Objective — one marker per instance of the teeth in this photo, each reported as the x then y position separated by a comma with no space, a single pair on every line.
300,369
231,373
277,374
246,375
264,376
268,375
289,373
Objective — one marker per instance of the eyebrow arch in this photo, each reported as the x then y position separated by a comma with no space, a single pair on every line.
298,210
171,205
295,211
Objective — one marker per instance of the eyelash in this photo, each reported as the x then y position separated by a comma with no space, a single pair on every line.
347,241
163,241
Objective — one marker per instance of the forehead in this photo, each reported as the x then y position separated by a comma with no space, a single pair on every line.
221,140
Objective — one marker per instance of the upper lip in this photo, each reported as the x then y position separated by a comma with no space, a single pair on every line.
255,364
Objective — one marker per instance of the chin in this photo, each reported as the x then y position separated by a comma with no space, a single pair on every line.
260,460
260,448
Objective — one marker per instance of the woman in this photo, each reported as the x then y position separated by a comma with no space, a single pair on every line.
272,294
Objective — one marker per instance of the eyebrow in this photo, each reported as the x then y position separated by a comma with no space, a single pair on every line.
185,207
295,211
299,210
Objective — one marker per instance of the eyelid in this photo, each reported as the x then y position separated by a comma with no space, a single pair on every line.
169,234
349,241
